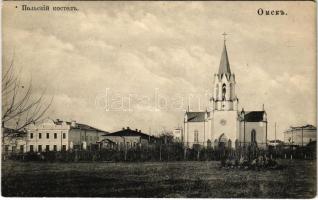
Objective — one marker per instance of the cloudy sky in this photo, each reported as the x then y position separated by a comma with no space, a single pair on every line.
140,64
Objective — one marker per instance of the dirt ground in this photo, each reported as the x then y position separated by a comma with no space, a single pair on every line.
156,179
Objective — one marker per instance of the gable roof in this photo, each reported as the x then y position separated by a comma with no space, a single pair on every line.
195,116
129,132
254,116
305,127
86,127
224,67
79,126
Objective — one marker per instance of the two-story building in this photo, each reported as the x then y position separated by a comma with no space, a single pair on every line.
57,135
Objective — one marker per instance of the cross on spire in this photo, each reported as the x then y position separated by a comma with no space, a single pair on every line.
224,36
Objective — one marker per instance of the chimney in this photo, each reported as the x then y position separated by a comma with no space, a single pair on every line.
123,128
73,123
139,131
128,128
136,129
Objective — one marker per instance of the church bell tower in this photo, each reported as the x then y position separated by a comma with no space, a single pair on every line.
224,97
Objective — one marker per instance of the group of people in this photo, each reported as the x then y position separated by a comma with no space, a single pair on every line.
243,162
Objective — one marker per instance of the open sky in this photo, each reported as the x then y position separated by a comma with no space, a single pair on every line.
159,57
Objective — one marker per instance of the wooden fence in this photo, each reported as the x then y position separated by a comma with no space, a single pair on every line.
168,152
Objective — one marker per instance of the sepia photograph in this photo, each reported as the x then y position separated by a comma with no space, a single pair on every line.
159,99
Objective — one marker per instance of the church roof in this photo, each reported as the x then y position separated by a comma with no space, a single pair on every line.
254,116
224,67
195,116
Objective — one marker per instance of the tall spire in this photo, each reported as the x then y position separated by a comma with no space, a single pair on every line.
224,67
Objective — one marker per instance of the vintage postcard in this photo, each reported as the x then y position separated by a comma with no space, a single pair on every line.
159,99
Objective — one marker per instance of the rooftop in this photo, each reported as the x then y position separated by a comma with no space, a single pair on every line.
305,127
79,126
129,132
254,116
224,67
195,116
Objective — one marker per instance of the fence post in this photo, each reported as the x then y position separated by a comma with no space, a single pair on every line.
185,153
125,152
198,155
76,156
160,152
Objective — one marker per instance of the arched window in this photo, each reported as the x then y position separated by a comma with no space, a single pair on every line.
209,143
229,144
196,136
237,145
216,142
253,136
217,91
231,90
223,91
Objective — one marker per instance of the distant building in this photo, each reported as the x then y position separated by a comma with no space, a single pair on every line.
275,143
177,135
13,141
57,135
127,138
300,135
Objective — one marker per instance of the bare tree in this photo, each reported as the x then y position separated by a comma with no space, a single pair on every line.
166,137
20,106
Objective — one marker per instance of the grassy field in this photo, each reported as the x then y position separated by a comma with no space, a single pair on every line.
156,179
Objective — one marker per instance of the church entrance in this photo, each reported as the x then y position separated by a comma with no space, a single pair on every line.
222,141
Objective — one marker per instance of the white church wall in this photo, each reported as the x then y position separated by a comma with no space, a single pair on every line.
201,128
210,129
260,129
241,132
225,122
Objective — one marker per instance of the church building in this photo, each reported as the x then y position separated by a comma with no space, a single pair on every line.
223,124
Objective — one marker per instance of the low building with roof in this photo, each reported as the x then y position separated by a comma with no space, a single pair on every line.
300,135
127,138
58,135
